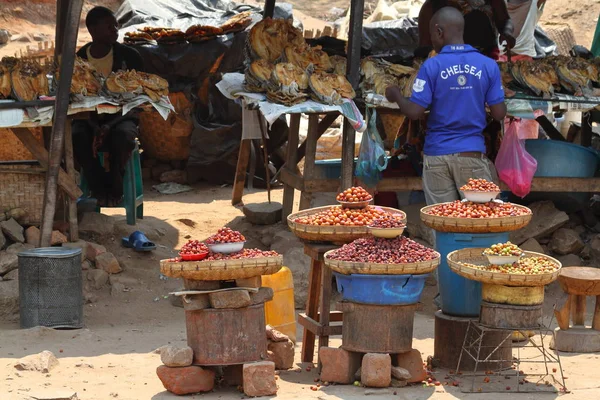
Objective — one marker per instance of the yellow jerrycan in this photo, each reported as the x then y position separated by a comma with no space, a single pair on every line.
280,312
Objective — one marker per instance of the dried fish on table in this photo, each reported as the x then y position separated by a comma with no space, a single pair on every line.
85,80
28,80
330,88
288,84
6,67
138,38
237,23
126,83
538,77
202,33
339,64
269,37
383,81
303,56
257,76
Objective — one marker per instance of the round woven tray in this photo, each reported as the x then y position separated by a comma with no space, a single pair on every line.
328,233
222,270
475,225
474,256
348,267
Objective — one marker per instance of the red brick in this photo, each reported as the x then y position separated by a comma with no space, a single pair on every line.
259,379
413,363
339,365
376,370
186,380
283,354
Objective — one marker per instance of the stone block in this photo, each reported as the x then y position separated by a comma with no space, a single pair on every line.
32,235
263,213
189,284
57,238
376,370
13,230
546,220
174,356
263,295
97,224
186,380
339,365
566,241
532,245
283,354
411,361
401,374
576,340
259,379
93,250
80,244
255,282
230,299
108,262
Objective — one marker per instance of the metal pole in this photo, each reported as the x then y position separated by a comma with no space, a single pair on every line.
269,8
357,8
72,10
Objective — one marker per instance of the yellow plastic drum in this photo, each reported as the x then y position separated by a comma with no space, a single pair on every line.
514,295
280,312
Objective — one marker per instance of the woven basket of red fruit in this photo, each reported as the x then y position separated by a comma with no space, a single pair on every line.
337,224
377,256
532,269
354,197
247,263
468,217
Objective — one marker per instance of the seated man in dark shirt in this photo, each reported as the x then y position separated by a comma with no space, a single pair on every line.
114,134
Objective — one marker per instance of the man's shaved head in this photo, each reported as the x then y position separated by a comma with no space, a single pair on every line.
446,27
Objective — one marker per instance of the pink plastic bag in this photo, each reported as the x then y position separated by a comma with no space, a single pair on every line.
515,165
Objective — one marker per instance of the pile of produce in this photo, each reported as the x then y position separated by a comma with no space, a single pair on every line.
467,209
544,77
480,185
130,83
384,251
246,253
24,79
226,235
388,221
379,74
341,216
193,247
503,249
280,63
525,266
354,195
202,33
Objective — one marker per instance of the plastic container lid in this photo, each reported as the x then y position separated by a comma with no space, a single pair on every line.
50,252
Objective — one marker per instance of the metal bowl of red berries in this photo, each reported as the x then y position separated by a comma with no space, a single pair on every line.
388,227
193,250
226,241
480,190
354,197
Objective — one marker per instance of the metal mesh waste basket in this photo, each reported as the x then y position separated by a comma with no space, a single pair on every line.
50,288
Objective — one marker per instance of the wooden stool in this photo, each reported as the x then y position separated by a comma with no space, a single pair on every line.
578,283
318,308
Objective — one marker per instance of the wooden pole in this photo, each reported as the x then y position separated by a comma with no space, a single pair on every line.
269,8
72,10
357,8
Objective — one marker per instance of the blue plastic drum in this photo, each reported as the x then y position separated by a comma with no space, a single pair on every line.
461,297
381,289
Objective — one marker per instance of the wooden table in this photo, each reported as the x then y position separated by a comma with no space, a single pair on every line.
318,313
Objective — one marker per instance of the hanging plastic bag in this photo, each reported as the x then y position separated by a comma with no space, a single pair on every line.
515,165
372,160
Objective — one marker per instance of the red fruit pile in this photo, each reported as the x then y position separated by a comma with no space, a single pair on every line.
193,247
246,253
480,185
354,195
337,215
467,209
389,221
226,235
384,251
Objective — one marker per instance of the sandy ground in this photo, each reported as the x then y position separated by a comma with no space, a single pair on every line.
112,357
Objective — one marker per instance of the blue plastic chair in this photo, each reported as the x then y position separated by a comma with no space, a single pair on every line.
133,187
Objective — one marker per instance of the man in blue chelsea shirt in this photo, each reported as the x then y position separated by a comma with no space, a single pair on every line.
456,85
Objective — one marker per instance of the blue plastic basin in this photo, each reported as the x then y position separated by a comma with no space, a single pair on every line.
562,159
461,297
381,289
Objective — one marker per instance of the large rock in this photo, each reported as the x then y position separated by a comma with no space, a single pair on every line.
532,245
230,299
282,354
97,224
57,238
376,370
9,298
13,230
263,213
4,36
93,250
263,295
108,262
174,356
292,249
32,234
259,379
8,262
339,365
186,380
566,241
2,240
98,278
42,362
401,374
570,260
411,361
16,248
546,220
80,244
19,214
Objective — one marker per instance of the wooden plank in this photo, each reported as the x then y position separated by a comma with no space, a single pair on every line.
563,314
312,309
291,163
325,307
240,172
325,123
596,320
41,155
309,162
69,37
69,164
315,327
550,129
292,179
579,313
269,8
